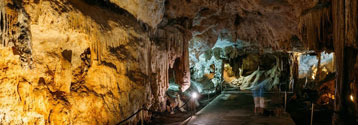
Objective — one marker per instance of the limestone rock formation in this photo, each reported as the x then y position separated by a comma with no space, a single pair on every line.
88,63
99,61
148,11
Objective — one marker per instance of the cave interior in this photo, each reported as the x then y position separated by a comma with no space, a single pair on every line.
148,61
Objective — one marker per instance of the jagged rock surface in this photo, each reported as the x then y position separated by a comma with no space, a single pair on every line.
149,11
98,61
270,24
91,64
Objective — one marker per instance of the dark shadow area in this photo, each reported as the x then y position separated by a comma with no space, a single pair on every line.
103,11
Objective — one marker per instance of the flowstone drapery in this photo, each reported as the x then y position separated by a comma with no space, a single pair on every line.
250,81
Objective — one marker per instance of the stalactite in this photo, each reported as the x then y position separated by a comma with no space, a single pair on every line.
315,26
351,21
338,14
3,24
15,31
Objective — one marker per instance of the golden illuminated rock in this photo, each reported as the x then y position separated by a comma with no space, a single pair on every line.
90,65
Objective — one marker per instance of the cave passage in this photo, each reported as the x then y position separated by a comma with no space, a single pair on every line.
292,83
133,62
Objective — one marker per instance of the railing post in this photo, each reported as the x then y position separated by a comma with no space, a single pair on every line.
208,95
141,117
285,100
312,113
222,86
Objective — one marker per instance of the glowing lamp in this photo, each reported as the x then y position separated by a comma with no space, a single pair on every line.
352,99
194,95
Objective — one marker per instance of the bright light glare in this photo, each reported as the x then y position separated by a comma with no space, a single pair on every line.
352,98
194,95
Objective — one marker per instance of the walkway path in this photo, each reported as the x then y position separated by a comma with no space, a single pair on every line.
235,109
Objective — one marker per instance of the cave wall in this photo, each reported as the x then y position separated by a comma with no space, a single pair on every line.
308,65
254,66
78,62
112,57
207,72
207,62
148,11
344,39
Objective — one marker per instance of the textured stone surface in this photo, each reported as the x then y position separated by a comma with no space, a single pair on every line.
268,23
92,64
98,61
149,11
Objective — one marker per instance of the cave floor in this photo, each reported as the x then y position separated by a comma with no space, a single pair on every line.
235,109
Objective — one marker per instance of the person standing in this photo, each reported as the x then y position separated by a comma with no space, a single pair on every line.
258,92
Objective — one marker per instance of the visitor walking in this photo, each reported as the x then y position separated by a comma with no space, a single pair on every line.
258,92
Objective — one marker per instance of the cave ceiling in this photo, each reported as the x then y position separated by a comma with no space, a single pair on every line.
276,24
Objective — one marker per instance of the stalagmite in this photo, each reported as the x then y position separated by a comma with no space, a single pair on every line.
294,71
318,72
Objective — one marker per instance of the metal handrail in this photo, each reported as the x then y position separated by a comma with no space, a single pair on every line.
139,110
